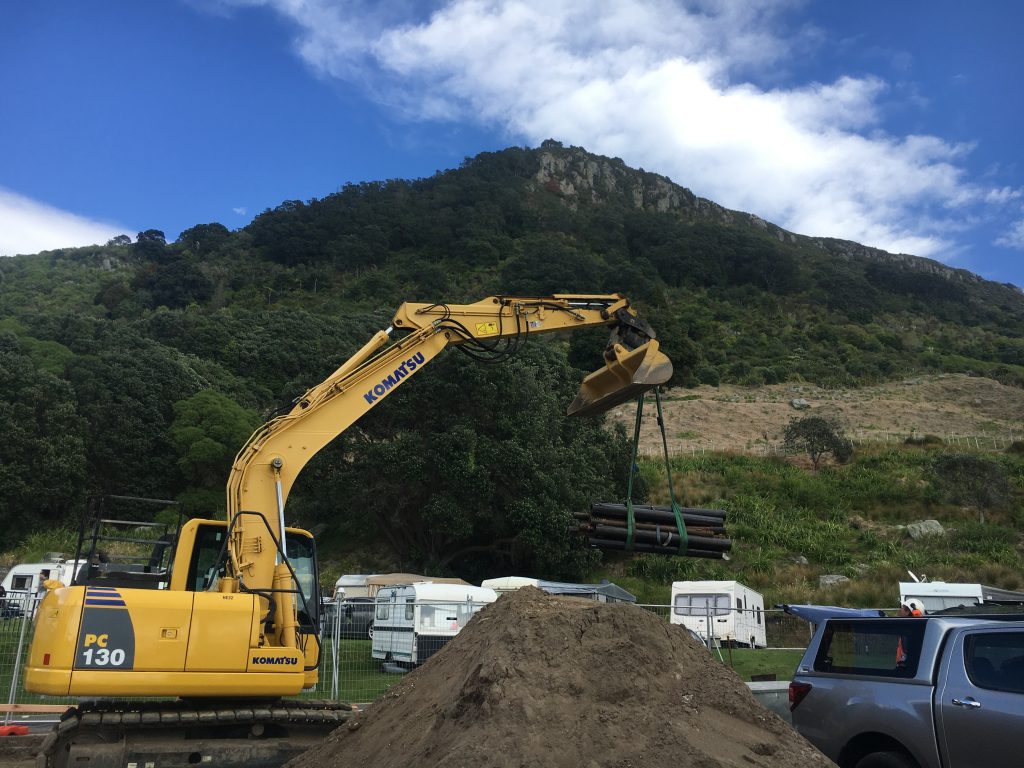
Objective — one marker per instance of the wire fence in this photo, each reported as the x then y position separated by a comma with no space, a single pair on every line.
358,664
767,448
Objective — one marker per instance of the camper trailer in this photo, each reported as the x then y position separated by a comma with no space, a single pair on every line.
938,595
351,585
724,611
366,585
413,621
25,580
605,592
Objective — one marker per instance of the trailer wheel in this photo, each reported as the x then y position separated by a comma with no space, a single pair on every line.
369,632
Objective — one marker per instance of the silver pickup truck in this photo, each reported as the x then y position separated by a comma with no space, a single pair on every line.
932,692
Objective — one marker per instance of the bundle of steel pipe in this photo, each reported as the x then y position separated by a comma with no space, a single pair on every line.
654,530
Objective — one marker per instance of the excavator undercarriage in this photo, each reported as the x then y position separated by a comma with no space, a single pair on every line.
169,734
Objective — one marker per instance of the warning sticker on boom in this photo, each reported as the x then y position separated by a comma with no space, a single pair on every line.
487,329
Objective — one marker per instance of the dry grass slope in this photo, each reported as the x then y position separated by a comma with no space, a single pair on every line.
738,418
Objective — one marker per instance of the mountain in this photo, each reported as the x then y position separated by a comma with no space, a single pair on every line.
113,358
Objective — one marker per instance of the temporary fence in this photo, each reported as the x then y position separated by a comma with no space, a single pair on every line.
354,666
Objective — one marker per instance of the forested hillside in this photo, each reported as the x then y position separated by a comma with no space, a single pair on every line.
141,367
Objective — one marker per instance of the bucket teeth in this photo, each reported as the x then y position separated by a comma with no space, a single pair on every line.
626,375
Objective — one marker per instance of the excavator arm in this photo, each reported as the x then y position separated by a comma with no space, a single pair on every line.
268,465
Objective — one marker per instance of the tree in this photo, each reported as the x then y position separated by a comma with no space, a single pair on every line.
42,453
818,437
474,469
176,282
971,480
150,243
126,395
208,430
152,236
120,240
204,238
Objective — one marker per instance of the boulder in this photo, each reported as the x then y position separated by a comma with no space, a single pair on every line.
925,528
830,580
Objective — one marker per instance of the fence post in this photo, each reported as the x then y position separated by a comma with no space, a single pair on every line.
27,606
335,647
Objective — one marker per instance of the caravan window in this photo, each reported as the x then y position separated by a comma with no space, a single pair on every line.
22,583
467,610
383,610
447,615
758,612
701,605
410,608
739,604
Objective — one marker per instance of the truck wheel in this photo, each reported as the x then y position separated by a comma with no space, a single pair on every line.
886,760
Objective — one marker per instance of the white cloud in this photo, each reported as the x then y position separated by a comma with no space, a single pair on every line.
1014,238
1002,195
663,85
28,226
240,211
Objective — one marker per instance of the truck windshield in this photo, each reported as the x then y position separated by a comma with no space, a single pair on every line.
701,605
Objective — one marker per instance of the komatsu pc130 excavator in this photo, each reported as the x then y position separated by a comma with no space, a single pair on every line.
230,628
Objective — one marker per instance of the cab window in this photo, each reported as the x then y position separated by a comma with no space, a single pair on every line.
890,648
995,660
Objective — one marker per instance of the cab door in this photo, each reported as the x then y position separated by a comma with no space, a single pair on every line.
980,698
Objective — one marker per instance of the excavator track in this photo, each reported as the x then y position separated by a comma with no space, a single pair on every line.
169,734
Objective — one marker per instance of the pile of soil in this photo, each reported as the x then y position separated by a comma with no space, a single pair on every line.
538,681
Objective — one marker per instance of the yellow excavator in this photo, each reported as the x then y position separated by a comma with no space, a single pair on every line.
229,627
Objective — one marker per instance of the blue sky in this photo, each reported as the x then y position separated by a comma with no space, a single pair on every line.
893,124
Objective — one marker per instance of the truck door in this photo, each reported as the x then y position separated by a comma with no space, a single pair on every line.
980,698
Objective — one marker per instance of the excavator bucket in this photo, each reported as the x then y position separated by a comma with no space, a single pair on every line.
626,375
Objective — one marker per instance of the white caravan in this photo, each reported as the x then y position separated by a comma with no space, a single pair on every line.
25,579
367,584
413,621
937,595
351,585
605,592
724,611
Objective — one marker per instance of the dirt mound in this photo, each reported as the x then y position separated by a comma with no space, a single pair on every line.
537,681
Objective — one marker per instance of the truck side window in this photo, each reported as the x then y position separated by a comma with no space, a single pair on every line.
995,660
871,648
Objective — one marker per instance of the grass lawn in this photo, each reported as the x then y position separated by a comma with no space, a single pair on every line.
360,679
746,662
